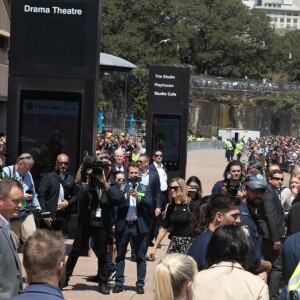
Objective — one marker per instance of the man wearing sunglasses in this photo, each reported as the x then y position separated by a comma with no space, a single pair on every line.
272,222
158,167
57,193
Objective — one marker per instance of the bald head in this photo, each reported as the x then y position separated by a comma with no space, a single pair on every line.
62,163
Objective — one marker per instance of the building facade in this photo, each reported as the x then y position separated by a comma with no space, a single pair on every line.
284,14
4,46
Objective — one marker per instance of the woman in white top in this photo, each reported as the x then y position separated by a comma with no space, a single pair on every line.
227,278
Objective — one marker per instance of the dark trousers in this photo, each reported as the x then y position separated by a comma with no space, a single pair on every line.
139,245
157,221
150,224
59,224
83,234
274,256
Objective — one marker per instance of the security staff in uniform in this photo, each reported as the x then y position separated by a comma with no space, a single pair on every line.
228,150
255,186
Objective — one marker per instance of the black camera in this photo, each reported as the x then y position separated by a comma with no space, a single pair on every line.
193,190
38,213
232,190
98,168
134,179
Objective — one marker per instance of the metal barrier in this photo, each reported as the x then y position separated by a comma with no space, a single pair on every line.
194,145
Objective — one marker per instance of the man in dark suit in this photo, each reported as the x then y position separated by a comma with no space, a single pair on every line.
44,262
11,195
57,193
158,167
118,164
272,222
132,224
150,179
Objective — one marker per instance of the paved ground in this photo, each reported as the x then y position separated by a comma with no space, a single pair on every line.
209,166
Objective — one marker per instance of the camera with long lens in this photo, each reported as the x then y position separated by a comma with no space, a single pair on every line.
232,190
38,213
134,180
98,168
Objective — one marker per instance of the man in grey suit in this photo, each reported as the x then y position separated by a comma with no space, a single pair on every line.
11,195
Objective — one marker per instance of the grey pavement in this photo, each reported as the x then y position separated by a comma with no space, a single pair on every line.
208,165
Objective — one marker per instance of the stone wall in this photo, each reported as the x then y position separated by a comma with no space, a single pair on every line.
211,109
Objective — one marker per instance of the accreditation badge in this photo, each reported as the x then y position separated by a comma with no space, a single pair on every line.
246,230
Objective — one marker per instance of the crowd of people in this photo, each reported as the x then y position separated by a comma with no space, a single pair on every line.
243,235
245,85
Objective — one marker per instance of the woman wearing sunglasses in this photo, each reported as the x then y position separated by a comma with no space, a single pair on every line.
177,219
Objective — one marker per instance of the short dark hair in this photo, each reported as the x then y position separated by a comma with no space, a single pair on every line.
228,243
276,171
7,184
203,215
132,165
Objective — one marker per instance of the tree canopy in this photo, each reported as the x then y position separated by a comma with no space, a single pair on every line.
216,37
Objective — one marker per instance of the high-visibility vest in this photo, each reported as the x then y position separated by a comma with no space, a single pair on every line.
228,145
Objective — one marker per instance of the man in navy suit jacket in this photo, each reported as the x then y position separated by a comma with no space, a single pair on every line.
151,180
158,167
44,262
131,223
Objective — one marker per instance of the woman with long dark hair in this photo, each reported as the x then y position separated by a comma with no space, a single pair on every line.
226,257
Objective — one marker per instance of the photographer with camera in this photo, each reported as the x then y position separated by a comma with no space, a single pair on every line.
131,223
194,189
96,199
232,183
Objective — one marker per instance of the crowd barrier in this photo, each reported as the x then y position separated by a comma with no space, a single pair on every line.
194,145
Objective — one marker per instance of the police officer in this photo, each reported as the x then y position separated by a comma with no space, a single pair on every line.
228,150
255,186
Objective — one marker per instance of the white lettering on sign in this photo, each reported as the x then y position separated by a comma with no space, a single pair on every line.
55,9
34,9
163,83
66,11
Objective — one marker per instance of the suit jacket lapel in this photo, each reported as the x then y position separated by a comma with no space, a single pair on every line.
13,249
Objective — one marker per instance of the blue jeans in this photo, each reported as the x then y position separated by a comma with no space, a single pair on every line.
139,244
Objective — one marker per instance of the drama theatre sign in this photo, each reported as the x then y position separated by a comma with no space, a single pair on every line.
54,9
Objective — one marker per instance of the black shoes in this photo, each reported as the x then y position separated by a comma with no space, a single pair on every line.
66,283
140,290
93,278
117,289
103,289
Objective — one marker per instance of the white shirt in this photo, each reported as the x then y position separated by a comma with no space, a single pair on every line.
145,178
61,194
162,177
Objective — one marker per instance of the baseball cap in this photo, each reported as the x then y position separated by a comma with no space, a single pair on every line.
259,152
255,164
255,181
